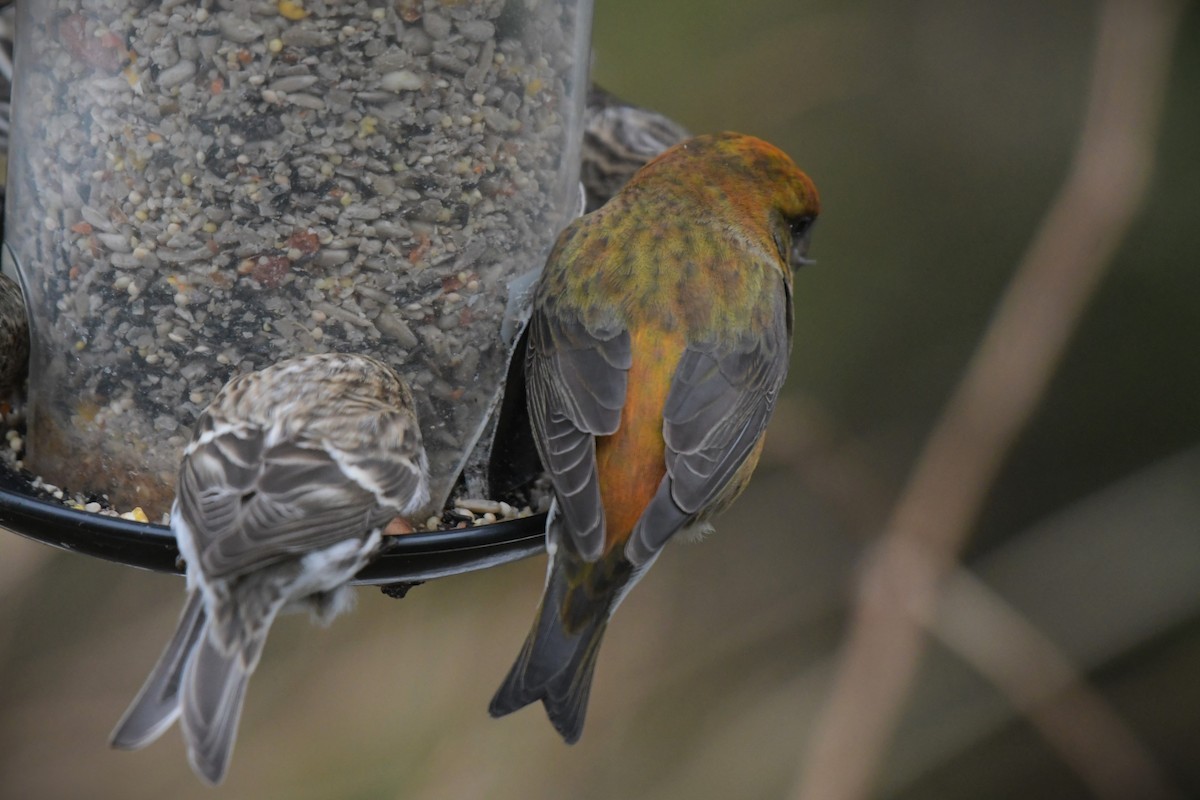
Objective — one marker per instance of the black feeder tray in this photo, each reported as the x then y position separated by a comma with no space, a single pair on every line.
404,561
408,558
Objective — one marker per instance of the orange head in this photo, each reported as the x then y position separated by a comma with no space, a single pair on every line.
742,178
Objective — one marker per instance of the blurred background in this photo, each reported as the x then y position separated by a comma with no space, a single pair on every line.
939,134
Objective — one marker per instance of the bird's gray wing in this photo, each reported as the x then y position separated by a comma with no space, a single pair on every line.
576,379
247,503
386,456
721,398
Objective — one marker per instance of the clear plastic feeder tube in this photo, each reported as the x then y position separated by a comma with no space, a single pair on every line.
202,188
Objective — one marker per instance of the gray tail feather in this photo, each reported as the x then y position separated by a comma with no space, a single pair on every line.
555,665
157,704
214,688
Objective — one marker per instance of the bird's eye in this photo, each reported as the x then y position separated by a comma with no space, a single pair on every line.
801,231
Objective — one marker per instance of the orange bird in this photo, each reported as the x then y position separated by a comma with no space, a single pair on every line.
660,337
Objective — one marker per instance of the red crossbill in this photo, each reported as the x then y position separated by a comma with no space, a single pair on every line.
659,340
290,477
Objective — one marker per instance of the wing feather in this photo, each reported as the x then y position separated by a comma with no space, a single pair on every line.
720,401
248,504
576,379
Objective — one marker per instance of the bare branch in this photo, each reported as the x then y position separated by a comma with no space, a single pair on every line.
1044,686
1004,381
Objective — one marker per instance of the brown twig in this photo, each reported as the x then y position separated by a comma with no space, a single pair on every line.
1045,686
1036,676
1005,379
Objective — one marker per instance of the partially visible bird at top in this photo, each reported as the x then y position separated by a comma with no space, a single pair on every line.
618,140
659,340
14,338
291,475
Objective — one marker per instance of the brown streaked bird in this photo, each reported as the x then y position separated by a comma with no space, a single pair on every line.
619,139
659,341
14,338
291,475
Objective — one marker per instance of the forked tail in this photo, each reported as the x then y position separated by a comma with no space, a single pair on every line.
559,657
157,704
196,680
213,692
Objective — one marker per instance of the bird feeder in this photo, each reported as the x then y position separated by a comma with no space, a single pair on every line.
199,189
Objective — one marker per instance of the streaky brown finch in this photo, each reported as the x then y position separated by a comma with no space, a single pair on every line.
291,475
659,340
619,138
14,338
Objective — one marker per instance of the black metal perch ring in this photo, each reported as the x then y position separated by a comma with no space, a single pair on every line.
409,558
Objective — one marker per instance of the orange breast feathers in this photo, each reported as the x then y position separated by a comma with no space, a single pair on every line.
631,463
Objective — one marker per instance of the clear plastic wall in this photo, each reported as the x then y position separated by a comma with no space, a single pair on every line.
202,188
